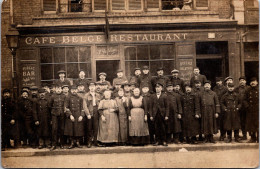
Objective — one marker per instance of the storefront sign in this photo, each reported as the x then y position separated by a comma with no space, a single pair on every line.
114,38
28,75
186,68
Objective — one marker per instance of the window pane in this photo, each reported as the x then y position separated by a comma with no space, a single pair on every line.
118,4
49,5
72,54
167,51
152,4
140,64
142,52
130,53
84,54
135,5
58,67
46,55
87,68
46,72
99,4
201,3
154,52
75,5
153,67
168,66
72,70
129,67
59,55
171,4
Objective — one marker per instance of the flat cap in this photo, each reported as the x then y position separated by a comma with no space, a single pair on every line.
197,81
175,71
25,91
219,79
119,70
6,91
158,84
64,86
169,84
26,88
242,77
229,77
102,73
137,68
253,79
207,81
145,67
93,83
41,90
159,68
61,71
34,88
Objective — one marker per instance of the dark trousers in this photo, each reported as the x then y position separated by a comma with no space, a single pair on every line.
57,129
6,136
27,131
254,136
229,133
243,121
44,141
160,131
92,126
151,129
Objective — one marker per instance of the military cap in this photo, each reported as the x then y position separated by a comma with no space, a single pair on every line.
231,85
169,84
145,85
175,71
197,81
102,73
93,83
41,90
207,81
61,71
145,67
219,79
6,91
137,68
64,86
242,77
253,79
158,84
159,68
73,87
34,88
119,70
229,77
24,91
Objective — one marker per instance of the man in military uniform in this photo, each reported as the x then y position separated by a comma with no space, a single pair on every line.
241,90
220,90
160,114
252,107
90,105
210,109
74,124
160,78
146,79
231,104
137,77
82,80
62,80
26,123
120,79
9,118
42,119
57,118
102,79
175,78
197,76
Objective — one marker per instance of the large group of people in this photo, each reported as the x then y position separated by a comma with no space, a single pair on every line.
141,110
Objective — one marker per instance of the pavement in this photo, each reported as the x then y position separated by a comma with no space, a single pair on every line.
29,152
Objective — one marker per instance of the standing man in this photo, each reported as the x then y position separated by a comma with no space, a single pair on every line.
160,114
252,107
146,79
90,106
241,90
160,78
62,80
120,79
9,117
137,77
210,109
197,76
102,76
228,80
34,99
82,80
220,90
175,78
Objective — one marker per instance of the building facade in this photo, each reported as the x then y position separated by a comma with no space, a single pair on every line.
104,35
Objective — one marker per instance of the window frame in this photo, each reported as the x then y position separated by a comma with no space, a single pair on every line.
50,12
155,9
200,8
93,6
126,7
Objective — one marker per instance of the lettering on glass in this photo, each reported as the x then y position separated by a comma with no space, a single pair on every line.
107,50
186,68
28,75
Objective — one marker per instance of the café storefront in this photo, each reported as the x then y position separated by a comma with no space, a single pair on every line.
42,55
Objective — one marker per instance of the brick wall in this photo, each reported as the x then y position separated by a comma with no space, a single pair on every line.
224,9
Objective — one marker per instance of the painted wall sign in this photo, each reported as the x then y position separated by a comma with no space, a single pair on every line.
186,68
28,74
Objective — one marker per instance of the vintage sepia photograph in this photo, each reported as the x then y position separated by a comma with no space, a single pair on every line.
129,83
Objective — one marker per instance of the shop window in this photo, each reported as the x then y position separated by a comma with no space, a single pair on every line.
99,5
75,5
251,50
70,59
153,56
172,4
49,6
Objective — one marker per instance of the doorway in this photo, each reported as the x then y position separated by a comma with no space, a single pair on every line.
251,70
109,67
